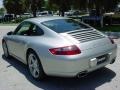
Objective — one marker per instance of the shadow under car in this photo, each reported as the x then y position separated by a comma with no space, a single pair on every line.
91,81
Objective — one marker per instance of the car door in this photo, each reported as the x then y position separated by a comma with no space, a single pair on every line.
17,41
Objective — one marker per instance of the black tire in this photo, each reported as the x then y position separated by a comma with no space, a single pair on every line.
41,74
5,49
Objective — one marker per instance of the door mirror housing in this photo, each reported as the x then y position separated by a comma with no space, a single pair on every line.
10,33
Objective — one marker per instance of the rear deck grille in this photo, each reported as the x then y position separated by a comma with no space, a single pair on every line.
85,36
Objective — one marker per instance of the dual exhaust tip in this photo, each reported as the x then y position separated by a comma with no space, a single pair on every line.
85,73
82,74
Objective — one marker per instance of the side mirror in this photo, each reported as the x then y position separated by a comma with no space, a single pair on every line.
10,33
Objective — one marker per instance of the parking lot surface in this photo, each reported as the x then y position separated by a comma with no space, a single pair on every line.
14,75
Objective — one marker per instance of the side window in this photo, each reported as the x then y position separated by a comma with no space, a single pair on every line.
28,29
23,29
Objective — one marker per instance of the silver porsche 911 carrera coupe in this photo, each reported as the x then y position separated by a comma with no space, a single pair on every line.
59,46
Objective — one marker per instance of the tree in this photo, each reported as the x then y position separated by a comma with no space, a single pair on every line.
107,5
63,5
27,5
2,11
50,6
111,6
36,5
80,4
16,7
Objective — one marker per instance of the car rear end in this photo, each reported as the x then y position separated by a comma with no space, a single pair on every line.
89,51
97,48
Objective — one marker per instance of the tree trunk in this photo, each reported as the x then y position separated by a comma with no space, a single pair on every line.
102,21
34,13
61,9
62,13
15,16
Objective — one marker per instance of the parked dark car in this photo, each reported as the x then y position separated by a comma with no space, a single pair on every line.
6,18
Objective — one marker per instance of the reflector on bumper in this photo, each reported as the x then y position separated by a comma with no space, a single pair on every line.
93,62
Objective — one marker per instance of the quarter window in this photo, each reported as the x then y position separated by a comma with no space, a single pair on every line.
36,31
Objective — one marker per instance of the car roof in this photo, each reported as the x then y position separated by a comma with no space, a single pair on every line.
44,18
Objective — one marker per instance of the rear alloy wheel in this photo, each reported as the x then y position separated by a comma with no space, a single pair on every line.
5,49
34,66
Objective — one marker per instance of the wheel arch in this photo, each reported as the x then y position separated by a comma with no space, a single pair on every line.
27,52
3,40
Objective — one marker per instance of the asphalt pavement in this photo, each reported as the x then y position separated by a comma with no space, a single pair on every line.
14,75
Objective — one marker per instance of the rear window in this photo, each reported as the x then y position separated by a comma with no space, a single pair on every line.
64,25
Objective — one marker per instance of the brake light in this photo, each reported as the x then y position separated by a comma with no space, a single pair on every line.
68,50
111,40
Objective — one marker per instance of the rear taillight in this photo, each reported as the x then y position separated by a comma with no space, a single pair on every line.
68,50
111,40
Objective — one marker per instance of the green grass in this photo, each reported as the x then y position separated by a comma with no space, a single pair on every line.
116,16
113,28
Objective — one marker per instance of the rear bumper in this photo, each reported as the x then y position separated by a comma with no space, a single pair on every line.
70,66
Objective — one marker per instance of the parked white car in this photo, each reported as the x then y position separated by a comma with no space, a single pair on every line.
45,13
